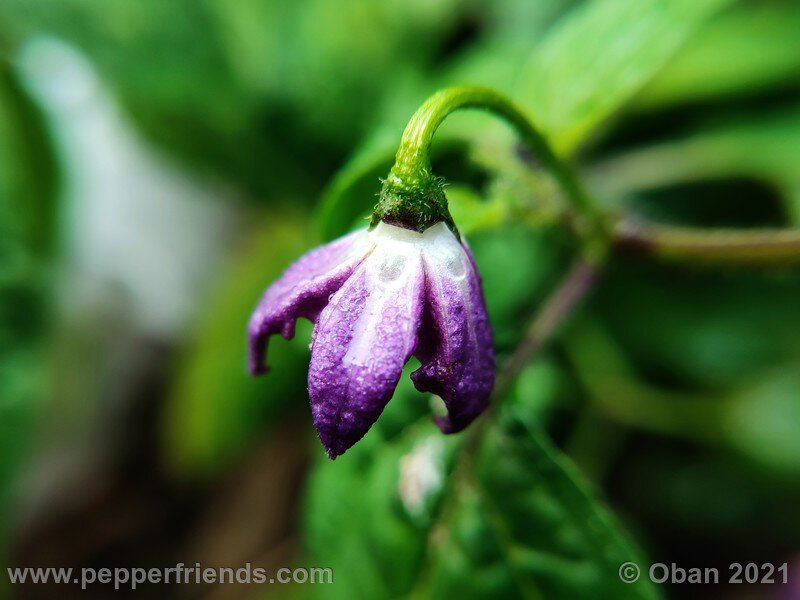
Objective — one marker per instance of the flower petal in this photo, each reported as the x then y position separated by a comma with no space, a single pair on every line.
302,291
364,337
456,346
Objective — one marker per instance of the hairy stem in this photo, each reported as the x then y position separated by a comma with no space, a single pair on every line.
412,193
414,151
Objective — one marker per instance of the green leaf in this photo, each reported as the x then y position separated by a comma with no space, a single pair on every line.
759,146
349,198
306,54
754,417
27,209
162,62
373,538
599,57
471,212
763,38
215,409
512,294
762,422
708,331
526,526
247,88
504,515
705,497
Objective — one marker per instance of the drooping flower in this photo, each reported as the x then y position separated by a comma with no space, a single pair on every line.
377,297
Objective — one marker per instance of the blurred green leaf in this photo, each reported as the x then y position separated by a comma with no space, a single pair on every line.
370,538
163,62
302,54
708,503
514,287
244,89
27,208
526,526
353,192
27,177
745,50
215,408
753,416
595,60
508,518
701,330
472,212
762,422
760,146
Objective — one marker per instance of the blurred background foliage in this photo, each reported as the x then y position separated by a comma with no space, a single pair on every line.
161,162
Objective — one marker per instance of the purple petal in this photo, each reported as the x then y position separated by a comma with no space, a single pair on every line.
302,291
363,338
456,347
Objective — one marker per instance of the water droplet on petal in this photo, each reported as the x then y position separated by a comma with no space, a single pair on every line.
455,265
391,268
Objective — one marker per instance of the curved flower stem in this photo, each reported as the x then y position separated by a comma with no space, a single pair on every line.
414,152
413,197
411,181
754,247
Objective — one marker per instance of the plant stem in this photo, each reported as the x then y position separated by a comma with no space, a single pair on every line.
414,151
413,197
411,181
557,307
560,304
738,247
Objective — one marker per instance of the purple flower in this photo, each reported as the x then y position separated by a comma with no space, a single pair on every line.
377,297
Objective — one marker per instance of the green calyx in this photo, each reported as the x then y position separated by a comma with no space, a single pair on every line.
415,201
